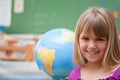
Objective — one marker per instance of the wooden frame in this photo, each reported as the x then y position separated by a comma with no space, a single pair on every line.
28,50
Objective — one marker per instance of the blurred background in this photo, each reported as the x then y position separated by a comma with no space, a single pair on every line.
23,22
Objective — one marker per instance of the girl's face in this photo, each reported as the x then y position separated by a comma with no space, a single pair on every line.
92,47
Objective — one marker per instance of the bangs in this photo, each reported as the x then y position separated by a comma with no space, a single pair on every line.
96,25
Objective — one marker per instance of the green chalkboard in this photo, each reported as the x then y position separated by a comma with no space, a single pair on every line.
40,16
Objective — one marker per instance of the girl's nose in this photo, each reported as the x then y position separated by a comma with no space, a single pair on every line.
91,45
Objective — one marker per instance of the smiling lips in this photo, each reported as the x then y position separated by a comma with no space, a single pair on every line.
92,52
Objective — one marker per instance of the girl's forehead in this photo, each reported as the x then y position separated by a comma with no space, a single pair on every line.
87,33
90,34
93,32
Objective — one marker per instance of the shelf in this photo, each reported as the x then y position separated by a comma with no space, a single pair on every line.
28,50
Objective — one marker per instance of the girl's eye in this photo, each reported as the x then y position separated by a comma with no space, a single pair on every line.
100,39
85,38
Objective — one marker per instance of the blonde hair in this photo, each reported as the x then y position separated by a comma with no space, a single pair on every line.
102,23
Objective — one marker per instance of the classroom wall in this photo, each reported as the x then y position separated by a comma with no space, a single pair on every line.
40,16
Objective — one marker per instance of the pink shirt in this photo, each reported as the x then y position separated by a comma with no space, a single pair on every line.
75,75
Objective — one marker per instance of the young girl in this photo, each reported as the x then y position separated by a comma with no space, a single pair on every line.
97,47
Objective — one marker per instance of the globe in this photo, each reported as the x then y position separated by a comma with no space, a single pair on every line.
54,53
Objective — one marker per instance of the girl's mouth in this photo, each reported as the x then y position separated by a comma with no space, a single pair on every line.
93,52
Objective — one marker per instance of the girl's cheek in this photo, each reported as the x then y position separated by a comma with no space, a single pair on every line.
83,46
104,46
